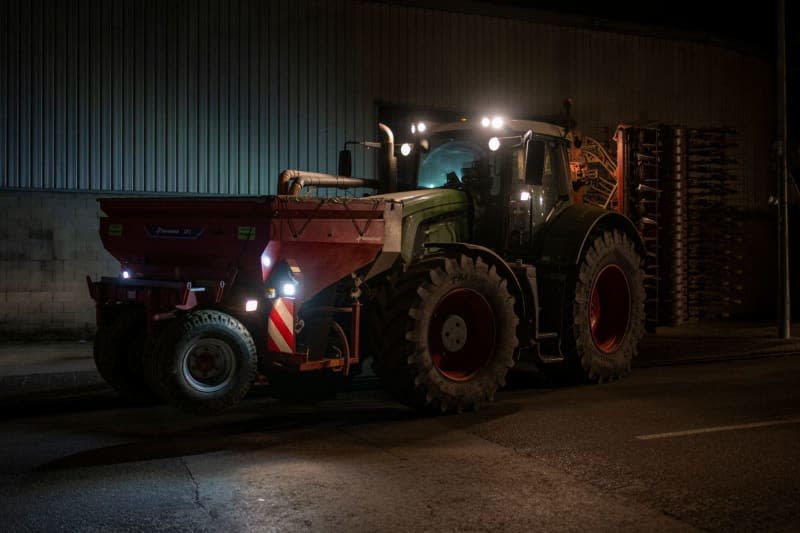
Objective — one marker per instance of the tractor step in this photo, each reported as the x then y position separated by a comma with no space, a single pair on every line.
551,359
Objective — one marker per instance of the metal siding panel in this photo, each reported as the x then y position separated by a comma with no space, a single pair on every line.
303,65
252,132
36,95
273,32
215,82
139,84
24,109
4,77
128,122
13,96
234,101
283,84
264,168
214,97
173,102
181,86
203,95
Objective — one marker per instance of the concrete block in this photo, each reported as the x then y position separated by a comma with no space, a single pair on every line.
43,214
36,281
66,319
9,199
66,249
13,249
65,297
41,250
40,297
63,270
5,267
17,297
18,279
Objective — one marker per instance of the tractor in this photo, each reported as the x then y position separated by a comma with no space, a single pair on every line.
472,254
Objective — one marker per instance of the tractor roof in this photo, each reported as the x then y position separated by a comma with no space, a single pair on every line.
518,127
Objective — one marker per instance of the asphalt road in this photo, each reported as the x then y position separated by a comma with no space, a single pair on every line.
707,446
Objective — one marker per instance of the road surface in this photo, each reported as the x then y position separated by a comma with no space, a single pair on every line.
677,448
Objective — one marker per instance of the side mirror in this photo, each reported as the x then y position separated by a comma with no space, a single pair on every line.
345,163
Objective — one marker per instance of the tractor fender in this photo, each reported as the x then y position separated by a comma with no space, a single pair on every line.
562,240
491,257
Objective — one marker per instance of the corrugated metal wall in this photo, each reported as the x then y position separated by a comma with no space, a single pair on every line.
209,96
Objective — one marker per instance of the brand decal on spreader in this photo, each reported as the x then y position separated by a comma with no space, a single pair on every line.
169,232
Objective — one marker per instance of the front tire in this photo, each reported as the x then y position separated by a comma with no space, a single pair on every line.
606,319
205,362
452,339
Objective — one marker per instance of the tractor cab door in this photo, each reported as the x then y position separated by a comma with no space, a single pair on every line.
539,185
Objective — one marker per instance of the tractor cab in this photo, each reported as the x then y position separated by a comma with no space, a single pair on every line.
516,174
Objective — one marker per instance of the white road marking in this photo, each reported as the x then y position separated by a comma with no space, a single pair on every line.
718,428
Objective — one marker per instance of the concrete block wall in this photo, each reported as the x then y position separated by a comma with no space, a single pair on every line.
49,242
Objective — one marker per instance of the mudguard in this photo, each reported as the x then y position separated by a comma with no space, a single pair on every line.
562,239
491,258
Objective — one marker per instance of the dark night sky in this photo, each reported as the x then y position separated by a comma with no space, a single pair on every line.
748,27
752,29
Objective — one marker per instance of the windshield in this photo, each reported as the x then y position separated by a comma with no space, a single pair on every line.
451,159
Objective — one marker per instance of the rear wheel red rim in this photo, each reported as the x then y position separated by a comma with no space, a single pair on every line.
461,334
609,308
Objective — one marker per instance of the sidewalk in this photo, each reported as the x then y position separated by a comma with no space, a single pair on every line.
708,341
28,368
68,367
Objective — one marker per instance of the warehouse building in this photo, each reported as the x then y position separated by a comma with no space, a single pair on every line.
217,97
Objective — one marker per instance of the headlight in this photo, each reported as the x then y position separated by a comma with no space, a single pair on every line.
289,289
497,122
126,274
494,144
405,149
485,122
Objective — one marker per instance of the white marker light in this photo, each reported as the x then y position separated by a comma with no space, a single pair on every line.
266,262
289,289
524,196
421,127
405,149
497,122
485,122
251,305
413,129
126,274
494,144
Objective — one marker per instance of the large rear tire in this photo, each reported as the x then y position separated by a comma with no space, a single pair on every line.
606,319
451,335
205,362
118,349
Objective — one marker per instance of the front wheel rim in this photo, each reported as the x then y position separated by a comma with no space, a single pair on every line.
461,335
208,364
609,308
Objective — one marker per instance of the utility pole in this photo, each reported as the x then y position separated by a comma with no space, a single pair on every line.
784,301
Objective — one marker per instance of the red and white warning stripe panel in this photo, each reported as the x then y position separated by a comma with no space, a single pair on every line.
280,326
